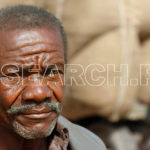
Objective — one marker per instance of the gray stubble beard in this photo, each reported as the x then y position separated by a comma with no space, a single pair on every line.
33,134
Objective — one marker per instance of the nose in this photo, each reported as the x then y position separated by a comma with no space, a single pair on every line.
36,93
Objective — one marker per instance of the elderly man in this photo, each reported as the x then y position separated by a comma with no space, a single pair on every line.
32,48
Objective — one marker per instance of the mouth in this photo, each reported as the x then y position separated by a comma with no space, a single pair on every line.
37,114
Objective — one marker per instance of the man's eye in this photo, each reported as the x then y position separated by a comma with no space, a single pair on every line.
55,72
13,75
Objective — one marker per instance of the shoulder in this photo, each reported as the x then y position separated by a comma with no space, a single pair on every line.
81,138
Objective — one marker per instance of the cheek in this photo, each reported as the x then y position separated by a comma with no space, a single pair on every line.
6,99
8,95
57,90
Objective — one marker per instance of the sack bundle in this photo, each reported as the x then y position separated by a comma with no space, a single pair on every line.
86,19
104,61
144,89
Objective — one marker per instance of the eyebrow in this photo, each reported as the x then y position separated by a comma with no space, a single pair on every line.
27,69
52,66
12,67
18,67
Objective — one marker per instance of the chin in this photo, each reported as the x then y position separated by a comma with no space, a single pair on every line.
39,130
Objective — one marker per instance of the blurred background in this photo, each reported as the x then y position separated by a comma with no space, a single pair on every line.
106,32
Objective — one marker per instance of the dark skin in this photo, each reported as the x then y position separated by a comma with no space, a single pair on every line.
35,49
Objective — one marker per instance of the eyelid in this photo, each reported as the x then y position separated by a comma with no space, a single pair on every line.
57,71
11,72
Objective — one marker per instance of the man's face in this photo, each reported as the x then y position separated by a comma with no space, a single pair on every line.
31,79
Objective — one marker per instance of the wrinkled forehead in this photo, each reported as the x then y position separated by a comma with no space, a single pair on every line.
17,38
26,43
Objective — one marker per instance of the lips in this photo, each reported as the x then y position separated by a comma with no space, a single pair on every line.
37,114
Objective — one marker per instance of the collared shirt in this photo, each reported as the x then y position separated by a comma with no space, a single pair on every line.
69,136
60,139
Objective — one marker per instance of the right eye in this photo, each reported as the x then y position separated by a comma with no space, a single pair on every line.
12,75
10,79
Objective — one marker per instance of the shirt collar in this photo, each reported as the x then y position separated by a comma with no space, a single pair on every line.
60,138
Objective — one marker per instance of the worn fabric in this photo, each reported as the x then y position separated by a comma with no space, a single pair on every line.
68,136
81,138
60,138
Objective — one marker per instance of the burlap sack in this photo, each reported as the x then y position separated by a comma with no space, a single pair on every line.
85,19
144,90
109,100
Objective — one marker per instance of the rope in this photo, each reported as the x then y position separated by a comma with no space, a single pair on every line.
127,31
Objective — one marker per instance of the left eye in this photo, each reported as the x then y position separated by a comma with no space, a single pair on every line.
53,72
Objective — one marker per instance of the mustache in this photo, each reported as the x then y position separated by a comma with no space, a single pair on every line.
55,106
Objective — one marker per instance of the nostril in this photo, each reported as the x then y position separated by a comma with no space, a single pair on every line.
47,99
28,102
32,101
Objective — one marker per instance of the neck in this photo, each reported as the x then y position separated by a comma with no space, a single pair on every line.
10,140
